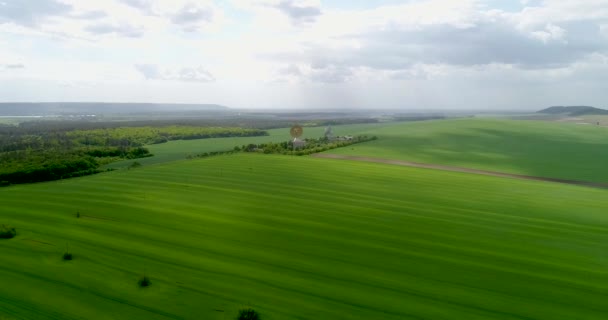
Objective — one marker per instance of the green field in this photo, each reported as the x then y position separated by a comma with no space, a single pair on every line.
180,149
537,148
307,238
303,238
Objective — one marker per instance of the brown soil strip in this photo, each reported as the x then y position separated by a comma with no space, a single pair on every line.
460,169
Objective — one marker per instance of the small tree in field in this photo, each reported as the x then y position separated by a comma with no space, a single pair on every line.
144,281
248,314
7,232
134,165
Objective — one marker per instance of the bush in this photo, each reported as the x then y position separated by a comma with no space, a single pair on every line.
144,281
134,165
7,232
248,314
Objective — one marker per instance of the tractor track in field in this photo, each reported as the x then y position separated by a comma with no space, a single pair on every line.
461,169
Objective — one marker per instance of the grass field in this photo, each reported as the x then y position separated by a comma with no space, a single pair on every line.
303,238
537,148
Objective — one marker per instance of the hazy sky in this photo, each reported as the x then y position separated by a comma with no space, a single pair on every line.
420,54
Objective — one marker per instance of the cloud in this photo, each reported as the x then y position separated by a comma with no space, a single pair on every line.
331,74
149,71
481,44
299,12
14,66
604,30
144,5
197,74
551,33
90,15
314,73
190,17
404,37
124,30
291,70
31,12
186,74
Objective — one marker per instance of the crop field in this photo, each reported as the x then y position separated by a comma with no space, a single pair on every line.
303,238
536,148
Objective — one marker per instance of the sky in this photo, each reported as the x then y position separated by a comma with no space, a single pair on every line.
315,54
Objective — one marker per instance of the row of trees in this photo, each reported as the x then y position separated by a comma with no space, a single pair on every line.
44,166
22,139
29,154
311,146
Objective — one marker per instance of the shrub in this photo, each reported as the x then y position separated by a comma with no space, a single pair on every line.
248,314
134,165
144,281
7,232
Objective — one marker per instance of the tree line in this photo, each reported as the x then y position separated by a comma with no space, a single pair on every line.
310,145
29,154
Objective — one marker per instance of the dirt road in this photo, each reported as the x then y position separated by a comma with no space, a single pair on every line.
459,169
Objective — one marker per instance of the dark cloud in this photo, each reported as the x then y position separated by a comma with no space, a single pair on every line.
481,43
297,13
190,17
124,30
193,74
484,43
31,12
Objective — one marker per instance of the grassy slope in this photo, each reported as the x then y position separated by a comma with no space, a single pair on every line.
178,150
547,149
303,238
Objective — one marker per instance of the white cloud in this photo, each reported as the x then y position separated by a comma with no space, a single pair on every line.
188,74
550,33
93,20
124,29
299,12
192,17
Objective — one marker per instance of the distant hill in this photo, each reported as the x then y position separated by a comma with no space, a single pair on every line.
82,108
574,111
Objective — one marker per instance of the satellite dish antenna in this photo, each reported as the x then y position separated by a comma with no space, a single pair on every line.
296,131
